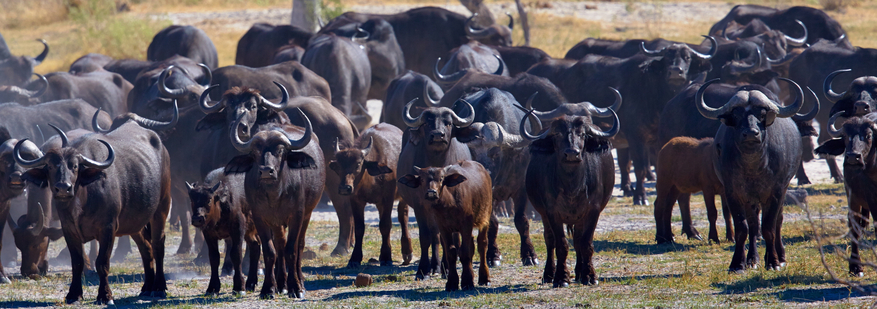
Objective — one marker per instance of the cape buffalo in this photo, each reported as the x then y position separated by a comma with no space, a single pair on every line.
384,53
186,41
403,89
474,56
345,66
15,71
101,89
817,23
158,86
11,182
261,44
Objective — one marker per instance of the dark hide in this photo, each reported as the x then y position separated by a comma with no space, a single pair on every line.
186,41
345,66
263,42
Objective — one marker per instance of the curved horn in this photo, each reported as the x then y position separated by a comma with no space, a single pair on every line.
111,156
464,122
406,116
612,131
243,147
472,32
813,111
337,145
446,78
215,186
537,124
207,74
42,56
826,86
709,54
368,149
205,105
740,68
529,104
12,225
39,92
706,111
774,62
306,138
430,102
511,21
36,228
164,90
284,101
189,186
501,65
95,124
642,47
64,141
26,164
724,35
153,124
797,41
834,133
605,112
358,31
791,110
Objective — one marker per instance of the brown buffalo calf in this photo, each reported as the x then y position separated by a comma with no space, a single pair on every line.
461,199
376,152
220,210
685,166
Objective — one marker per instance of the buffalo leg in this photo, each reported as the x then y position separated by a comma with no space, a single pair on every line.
77,262
742,233
685,210
549,235
561,246
834,170
586,249
253,252
768,231
801,175
270,255
233,249
280,271
385,224
358,210
102,266
450,253
227,264
213,252
292,252
345,215
4,212
712,214
483,269
857,223
640,158
494,256
180,210
146,257
405,241
664,201
729,225
522,224
426,238
624,167
466,252
754,224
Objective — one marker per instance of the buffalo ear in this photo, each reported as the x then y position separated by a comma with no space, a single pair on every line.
414,136
212,122
375,169
239,164
300,160
467,134
410,180
333,165
833,147
453,180
36,176
89,175
4,134
597,145
53,233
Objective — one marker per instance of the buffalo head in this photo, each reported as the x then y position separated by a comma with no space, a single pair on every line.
860,98
16,71
24,95
855,140
571,134
207,202
432,181
173,83
270,149
494,34
242,106
63,169
33,246
436,124
351,162
752,109
679,62
11,175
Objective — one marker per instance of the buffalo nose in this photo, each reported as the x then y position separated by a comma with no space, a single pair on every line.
571,154
853,159
431,195
862,108
15,178
63,187
438,135
751,135
345,189
267,172
198,221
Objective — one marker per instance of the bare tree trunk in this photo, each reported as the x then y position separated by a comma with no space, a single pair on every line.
524,21
306,14
485,18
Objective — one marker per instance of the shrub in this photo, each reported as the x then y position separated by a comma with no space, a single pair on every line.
101,30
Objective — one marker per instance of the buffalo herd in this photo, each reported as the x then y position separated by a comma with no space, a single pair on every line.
470,125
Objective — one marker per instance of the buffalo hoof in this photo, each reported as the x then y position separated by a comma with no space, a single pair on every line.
4,280
736,270
421,277
857,274
239,293
838,180
145,294
298,295
211,294
804,181
339,251
269,295
449,287
387,263
561,284
591,282
494,263
101,302
664,240
353,265
530,261
696,236
159,294
72,301
406,259
467,287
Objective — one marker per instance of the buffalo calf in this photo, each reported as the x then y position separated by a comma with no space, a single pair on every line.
461,200
685,166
